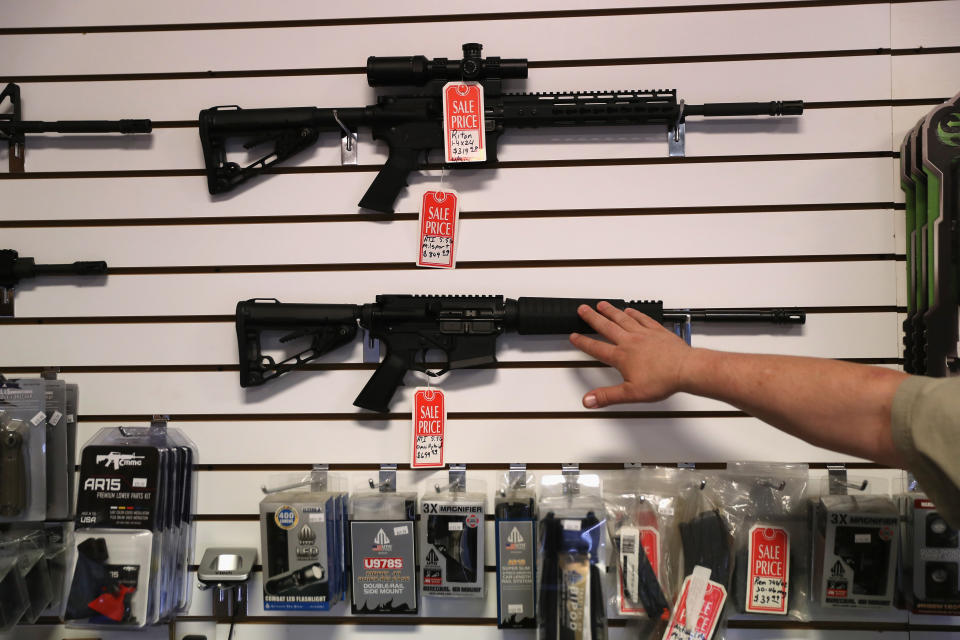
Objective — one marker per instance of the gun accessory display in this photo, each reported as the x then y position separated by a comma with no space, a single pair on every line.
412,125
13,469
14,128
465,328
13,269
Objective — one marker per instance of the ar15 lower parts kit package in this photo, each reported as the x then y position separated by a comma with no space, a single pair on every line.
302,533
383,549
452,538
134,529
515,531
572,558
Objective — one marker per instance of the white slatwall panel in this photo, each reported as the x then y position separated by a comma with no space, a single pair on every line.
866,182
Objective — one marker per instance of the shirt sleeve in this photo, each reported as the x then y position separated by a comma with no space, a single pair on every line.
925,422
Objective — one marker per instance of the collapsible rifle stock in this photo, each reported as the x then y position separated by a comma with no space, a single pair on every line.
464,328
412,125
14,128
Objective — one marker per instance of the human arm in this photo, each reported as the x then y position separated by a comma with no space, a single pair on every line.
837,405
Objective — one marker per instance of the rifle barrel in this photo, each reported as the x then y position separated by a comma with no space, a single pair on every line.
771,316
772,108
77,126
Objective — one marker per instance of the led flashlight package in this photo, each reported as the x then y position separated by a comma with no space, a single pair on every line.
855,540
452,541
23,458
110,579
572,558
383,552
642,517
515,530
302,544
931,559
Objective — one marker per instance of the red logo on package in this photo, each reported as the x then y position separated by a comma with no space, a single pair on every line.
429,422
713,599
463,122
472,520
439,214
769,562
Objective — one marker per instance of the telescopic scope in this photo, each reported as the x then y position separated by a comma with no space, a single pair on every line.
419,70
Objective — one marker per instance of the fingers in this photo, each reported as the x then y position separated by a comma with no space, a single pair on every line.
643,319
605,396
608,329
602,351
626,322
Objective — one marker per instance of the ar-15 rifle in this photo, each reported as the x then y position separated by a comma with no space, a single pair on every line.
464,328
13,269
14,128
412,125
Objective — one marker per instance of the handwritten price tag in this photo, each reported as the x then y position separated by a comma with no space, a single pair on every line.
429,423
439,214
769,570
704,622
463,122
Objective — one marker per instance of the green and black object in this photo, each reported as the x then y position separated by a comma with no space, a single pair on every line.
941,165
14,128
412,124
464,328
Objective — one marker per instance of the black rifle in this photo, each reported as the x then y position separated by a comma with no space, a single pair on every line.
412,125
13,269
14,129
464,328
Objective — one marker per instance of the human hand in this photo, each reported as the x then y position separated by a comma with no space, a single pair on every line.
648,356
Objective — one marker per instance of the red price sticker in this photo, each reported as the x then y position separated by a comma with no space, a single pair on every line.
429,422
463,122
439,216
769,563
706,619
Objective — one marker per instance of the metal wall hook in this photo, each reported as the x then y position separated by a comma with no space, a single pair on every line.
387,480
457,476
571,478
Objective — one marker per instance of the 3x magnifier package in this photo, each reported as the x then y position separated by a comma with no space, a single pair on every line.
572,558
855,539
452,538
134,528
37,445
303,540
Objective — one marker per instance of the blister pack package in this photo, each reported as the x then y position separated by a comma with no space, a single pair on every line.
452,539
514,510
572,559
302,541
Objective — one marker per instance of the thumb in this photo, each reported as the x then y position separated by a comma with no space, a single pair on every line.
605,396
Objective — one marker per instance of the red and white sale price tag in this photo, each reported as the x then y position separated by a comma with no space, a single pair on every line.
769,567
429,423
439,217
704,622
463,122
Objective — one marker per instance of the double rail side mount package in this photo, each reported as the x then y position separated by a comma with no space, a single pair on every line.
412,124
464,328
14,128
